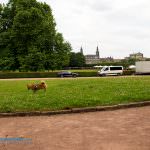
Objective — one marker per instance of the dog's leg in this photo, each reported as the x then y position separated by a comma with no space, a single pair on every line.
34,91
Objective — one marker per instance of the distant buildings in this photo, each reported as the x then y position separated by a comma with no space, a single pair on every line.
136,56
92,59
95,59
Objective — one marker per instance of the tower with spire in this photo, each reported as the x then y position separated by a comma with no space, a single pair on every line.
97,52
90,58
81,50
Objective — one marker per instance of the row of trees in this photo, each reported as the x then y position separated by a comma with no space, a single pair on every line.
77,60
29,39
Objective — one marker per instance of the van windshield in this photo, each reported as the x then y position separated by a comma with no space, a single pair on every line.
104,69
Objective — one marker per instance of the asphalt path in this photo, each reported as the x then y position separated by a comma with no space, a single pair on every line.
58,78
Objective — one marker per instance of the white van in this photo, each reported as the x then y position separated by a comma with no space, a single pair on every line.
111,70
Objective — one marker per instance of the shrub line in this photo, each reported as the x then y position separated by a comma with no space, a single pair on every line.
76,110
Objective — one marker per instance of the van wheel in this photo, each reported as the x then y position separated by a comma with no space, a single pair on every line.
74,76
61,76
103,75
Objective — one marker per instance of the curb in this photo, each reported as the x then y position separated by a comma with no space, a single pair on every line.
77,110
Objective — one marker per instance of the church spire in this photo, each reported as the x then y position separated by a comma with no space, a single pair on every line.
81,50
97,52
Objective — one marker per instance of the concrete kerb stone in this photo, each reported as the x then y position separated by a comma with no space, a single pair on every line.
76,110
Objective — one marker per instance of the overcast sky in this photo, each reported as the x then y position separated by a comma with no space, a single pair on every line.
118,27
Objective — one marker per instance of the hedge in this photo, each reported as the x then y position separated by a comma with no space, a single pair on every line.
128,72
8,75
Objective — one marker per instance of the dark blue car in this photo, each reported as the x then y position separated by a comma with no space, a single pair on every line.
67,74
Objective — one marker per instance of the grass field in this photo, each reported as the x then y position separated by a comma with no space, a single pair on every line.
70,93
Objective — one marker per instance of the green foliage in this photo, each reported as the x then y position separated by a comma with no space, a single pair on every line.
87,73
62,51
27,31
6,63
51,61
77,59
128,72
127,62
33,62
7,75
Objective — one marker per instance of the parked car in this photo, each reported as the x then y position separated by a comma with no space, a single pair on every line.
67,74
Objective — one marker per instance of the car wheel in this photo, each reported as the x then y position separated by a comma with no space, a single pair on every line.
62,76
103,75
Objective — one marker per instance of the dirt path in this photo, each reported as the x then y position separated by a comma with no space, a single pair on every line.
126,129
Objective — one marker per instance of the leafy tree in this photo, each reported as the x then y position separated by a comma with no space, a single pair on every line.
7,63
77,60
62,51
33,61
27,30
51,62
73,60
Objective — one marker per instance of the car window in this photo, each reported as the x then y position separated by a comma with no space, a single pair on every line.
115,68
67,72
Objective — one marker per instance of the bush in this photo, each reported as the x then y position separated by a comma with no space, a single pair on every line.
87,74
128,72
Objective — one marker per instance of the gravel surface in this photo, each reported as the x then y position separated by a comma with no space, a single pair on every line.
125,129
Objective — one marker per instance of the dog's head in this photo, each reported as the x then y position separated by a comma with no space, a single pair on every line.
43,84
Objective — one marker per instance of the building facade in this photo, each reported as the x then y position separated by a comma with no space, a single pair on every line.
92,59
137,56
95,59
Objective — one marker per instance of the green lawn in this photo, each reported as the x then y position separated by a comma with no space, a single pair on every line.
76,92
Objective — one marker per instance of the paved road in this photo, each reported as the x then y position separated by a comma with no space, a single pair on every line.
128,76
126,129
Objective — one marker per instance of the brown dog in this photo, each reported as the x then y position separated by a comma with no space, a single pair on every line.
35,86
